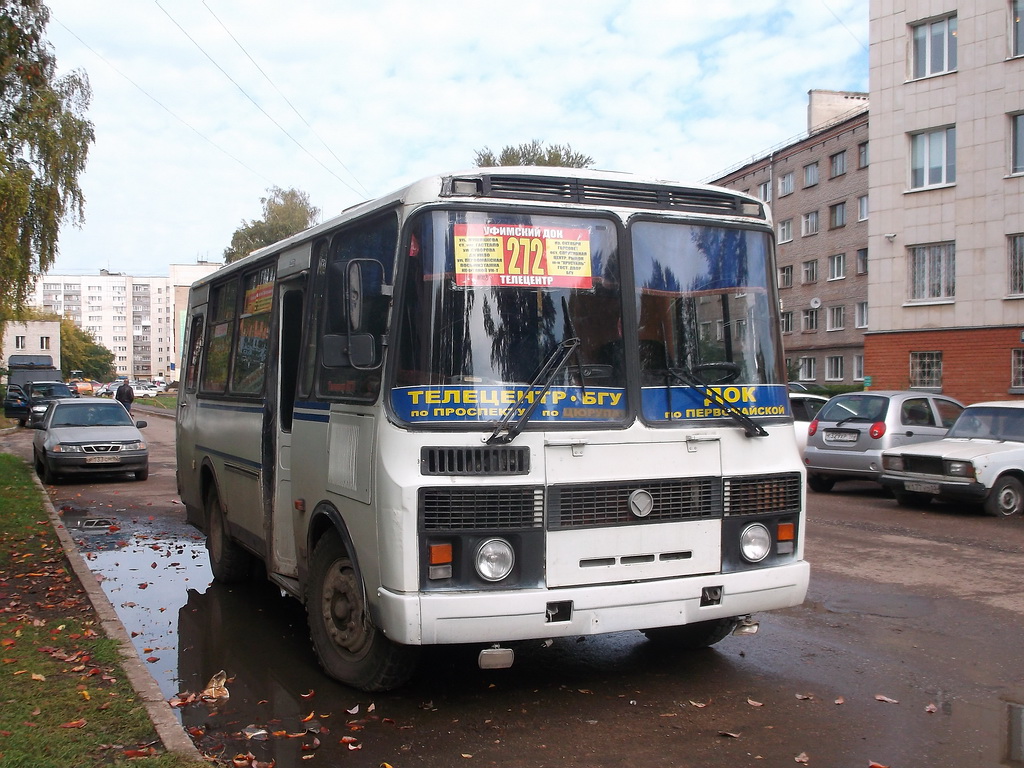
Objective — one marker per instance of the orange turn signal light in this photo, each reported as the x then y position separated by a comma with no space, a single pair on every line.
786,532
440,554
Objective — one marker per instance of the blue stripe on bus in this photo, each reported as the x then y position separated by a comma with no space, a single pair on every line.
300,416
229,456
313,404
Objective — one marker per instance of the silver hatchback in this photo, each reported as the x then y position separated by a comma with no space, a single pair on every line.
846,440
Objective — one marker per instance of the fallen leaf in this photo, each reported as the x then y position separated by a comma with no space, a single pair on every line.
38,678
80,723
354,710
729,734
802,758
306,695
886,699
753,703
805,697
309,717
873,764
840,700
931,709
698,704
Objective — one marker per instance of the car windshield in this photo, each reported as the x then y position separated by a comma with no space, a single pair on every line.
91,415
51,390
869,408
991,423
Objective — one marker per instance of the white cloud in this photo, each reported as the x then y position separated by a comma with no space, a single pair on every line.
401,89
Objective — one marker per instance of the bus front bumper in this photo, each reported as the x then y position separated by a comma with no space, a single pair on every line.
495,617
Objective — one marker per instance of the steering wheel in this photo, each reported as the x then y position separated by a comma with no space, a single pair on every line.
730,372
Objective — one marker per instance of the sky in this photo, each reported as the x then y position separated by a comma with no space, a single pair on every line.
201,106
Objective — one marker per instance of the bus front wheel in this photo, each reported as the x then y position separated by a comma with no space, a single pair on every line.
228,561
350,648
692,637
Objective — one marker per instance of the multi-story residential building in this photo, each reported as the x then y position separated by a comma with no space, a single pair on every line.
817,186
137,318
946,235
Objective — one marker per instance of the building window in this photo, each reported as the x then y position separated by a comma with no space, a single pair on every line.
837,164
860,319
810,271
786,276
786,322
19,342
834,368
926,370
836,318
934,47
764,191
1017,26
810,320
809,224
862,155
810,175
837,215
858,367
1017,143
862,208
933,158
786,184
1015,268
862,261
932,271
1017,369
785,231
44,342
807,371
837,266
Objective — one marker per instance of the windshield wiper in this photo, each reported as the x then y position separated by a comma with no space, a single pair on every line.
750,427
504,433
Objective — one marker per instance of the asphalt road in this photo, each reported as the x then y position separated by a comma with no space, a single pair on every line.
906,653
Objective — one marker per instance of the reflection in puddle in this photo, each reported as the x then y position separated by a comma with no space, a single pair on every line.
1015,735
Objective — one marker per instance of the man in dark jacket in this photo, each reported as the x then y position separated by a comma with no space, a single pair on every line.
125,395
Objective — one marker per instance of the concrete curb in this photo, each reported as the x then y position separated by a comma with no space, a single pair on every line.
164,720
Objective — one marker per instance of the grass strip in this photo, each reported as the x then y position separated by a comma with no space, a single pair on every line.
64,699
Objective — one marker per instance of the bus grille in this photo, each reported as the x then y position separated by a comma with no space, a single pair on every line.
760,494
475,461
474,509
605,192
597,504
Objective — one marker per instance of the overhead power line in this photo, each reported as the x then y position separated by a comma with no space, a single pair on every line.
254,102
286,99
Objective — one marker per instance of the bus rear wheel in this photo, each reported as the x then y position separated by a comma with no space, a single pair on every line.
228,561
692,637
350,648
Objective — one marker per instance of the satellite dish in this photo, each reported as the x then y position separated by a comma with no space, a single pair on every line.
815,302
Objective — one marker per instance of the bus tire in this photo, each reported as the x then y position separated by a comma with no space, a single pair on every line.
229,562
350,648
692,637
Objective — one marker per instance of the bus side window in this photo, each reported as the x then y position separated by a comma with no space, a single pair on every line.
195,353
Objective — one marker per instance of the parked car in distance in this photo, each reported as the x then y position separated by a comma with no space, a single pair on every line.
16,404
88,435
805,407
846,440
979,461
81,387
41,393
145,389
104,390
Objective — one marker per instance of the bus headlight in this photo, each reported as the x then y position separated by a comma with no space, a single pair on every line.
494,559
755,543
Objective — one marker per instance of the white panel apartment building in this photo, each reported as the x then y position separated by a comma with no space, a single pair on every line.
946,234
136,318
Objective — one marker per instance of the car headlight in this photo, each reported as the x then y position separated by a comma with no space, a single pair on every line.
38,409
62,448
755,543
138,445
959,469
892,463
494,559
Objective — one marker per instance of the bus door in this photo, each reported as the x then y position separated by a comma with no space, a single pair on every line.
281,528
188,413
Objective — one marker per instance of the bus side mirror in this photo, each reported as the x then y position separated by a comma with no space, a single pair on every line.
352,350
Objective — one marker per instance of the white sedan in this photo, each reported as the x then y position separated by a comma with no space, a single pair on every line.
979,461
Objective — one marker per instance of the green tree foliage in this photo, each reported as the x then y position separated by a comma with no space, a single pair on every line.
533,153
44,143
80,352
285,212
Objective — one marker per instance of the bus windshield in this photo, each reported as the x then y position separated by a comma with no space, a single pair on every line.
489,298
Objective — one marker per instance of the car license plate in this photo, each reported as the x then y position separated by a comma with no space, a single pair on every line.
841,437
921,487
103,460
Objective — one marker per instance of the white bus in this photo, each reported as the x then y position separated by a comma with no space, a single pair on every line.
496,406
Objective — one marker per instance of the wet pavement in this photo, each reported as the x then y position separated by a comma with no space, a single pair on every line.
906,653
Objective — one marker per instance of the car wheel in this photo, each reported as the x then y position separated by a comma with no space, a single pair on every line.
1006,498
692,637
21,422
350,648
142,474
911,499
47,475
820,483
